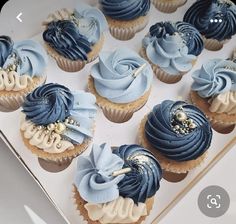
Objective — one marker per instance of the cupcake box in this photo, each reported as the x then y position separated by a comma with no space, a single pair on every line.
112,133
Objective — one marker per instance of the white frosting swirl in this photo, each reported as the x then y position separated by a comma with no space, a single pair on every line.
12,81
44,140
121,210
224,103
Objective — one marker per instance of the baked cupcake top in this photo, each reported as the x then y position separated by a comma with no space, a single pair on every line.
122,179
215,19
167,45
56,118
125,9
72,34
20,62
178,130
121,76
216,81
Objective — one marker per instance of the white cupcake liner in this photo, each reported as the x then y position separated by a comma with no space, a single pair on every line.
168,6
12,102
213,45
122,33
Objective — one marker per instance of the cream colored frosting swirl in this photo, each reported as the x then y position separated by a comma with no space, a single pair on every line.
12,81
44,139
224,103
121,210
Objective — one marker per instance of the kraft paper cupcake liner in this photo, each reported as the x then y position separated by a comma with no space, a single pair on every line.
166,163
160,74
213,44
126,31
74,66
168,6
80,203
12,100
221,122
114,112
60,158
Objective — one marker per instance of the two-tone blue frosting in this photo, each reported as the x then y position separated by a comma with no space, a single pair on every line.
178,130
115,79
125,10
166,48
54,103
216,76
215,19
97,182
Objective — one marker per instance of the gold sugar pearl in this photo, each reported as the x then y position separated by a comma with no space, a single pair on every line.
60,128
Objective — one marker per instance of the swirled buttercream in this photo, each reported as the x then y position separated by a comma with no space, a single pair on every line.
65,38
216,76
178,130
125,10
115,76
11,81
6,46
143,180
94,180
215,19
121,210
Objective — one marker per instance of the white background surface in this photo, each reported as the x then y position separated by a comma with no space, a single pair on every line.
59,185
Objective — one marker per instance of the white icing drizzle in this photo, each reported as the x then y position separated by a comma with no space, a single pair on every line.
121,210
12,81
224,103
44,139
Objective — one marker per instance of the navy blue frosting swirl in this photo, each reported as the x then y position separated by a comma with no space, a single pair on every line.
215,19
188,33
48,103
143,181
6,47
125,10
161,135
64,37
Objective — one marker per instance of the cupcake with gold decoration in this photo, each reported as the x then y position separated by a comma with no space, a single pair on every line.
214,92
116,186
22,69
179,135
57,123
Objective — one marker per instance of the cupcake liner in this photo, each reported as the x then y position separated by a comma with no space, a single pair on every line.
12,100
213,44
221,122
80,203
160,74
126,32
166,163
75,66
60,158
168,6
114,112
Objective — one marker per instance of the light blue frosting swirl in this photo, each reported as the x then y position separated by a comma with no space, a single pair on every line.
94,180
216,76
82,113
170,53
91,22
113,76
29,56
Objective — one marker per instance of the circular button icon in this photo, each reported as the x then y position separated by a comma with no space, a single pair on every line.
214,201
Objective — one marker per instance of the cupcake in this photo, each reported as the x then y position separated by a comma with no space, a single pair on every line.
121,82
168,6
116,186
214,92
57,124
74,39
126,17
171,49
22,69
215,20
178,134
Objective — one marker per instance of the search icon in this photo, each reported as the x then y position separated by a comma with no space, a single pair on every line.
213,201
